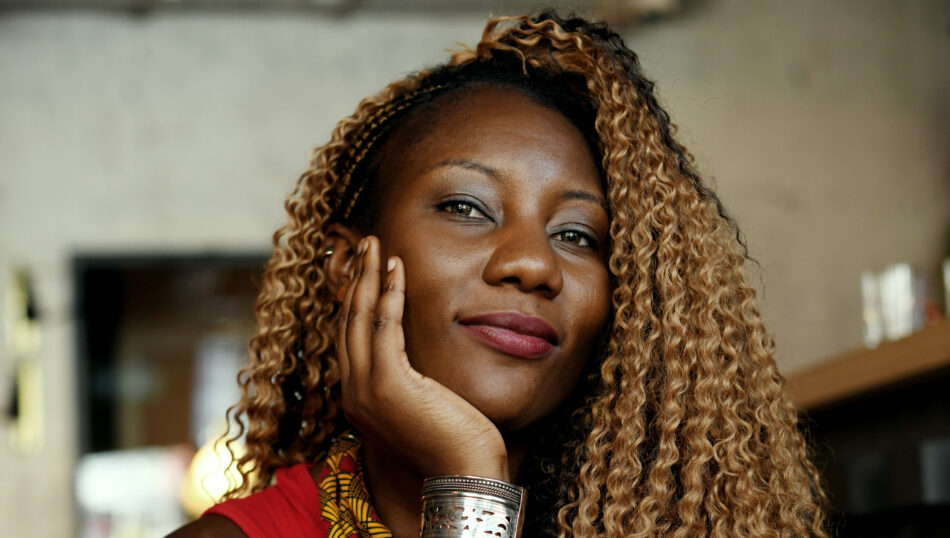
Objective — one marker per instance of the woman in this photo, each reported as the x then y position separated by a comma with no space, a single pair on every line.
506,267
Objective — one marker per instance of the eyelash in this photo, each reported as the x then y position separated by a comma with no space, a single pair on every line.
452,206
449,206
591,241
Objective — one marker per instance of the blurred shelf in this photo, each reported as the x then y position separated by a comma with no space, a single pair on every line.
867,370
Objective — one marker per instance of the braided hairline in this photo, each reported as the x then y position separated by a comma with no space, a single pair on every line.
367,139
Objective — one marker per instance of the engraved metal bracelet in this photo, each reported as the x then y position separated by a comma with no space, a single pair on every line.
470,506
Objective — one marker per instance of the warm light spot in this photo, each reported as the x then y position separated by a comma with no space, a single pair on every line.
212,474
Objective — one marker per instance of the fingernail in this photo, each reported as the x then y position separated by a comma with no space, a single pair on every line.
391,264
362,246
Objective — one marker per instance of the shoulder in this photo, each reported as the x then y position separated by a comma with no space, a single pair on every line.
209,526
291,507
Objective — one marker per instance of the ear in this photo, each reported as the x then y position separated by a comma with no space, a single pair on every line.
338,264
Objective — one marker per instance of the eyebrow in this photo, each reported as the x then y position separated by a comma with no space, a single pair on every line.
493,174
586,196
469,165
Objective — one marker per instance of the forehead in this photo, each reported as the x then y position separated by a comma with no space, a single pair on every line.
499,124
484,105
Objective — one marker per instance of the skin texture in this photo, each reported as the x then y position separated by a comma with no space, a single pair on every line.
497,208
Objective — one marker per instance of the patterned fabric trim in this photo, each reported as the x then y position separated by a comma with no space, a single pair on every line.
344,501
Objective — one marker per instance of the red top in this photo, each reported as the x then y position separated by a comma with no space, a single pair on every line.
291,507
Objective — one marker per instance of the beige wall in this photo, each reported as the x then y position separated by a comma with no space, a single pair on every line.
823,124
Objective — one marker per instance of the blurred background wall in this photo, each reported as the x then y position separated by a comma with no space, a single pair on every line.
823,125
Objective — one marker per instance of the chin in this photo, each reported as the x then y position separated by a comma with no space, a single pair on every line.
512,424
512,393
510,410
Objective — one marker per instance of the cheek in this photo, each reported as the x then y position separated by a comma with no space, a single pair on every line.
437,275
591,304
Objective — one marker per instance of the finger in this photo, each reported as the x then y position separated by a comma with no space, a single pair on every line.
341,355
389,338
362,309
343,324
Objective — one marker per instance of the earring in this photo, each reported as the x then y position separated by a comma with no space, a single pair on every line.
328,251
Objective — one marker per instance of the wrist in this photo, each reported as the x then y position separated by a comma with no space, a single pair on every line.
492,468
471,506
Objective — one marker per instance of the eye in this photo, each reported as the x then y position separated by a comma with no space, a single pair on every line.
576,238
462,209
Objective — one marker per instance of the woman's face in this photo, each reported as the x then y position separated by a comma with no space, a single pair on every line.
498,213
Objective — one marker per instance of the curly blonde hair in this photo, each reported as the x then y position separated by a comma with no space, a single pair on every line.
684,428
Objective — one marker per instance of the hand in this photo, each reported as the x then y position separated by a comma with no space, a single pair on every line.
430,427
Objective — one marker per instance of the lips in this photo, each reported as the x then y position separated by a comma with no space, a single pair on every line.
513,333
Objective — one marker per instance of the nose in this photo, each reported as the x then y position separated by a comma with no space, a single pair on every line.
525,260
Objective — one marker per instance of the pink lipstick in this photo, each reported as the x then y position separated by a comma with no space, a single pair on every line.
513,333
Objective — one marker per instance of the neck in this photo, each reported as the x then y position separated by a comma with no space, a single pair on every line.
396,489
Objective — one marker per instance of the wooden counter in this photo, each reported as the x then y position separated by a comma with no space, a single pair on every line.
867,370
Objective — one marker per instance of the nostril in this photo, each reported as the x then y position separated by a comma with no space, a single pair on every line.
524,267
515,281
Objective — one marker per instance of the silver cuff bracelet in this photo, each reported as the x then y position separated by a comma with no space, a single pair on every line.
470,506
